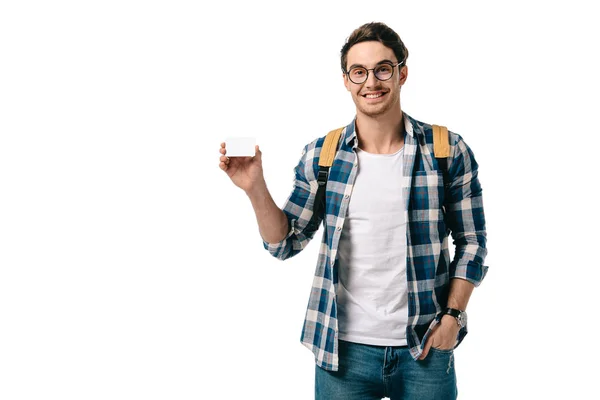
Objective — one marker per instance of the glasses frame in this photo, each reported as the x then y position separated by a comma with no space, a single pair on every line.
394,65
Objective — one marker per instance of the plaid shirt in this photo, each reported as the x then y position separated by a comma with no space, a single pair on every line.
431,213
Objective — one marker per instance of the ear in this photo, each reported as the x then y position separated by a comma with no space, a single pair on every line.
346,82
403,75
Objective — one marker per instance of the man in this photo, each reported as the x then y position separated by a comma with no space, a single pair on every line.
387,306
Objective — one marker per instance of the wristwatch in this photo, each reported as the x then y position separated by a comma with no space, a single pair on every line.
461,316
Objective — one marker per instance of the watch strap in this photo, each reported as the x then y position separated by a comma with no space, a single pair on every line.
452,311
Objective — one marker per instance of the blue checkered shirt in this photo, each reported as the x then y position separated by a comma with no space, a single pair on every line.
432,213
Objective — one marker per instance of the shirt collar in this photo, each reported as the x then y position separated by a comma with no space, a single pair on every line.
409,125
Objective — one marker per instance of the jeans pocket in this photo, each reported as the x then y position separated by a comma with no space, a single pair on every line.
443,351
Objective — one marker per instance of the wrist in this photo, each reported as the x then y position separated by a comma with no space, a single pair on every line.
257,191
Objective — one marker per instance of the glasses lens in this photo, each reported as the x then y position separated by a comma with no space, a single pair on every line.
358,74
384,72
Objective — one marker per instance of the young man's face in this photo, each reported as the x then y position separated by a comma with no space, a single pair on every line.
374,97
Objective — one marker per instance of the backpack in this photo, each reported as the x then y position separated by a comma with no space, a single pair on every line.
441,151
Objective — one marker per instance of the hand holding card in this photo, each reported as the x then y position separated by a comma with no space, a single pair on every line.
242,161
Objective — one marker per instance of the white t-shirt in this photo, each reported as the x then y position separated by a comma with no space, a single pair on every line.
372,292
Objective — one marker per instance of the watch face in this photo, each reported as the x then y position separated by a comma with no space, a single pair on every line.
462,318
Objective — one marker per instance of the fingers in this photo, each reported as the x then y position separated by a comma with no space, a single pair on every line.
223,160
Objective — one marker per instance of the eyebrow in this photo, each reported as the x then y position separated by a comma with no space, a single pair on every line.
379,63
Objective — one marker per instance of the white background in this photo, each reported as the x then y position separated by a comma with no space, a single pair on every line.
132,268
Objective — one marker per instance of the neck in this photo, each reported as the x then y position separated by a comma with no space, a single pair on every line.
382,134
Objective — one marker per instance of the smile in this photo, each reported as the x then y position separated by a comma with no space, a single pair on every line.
373,95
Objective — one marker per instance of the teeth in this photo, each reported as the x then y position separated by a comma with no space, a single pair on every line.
373,96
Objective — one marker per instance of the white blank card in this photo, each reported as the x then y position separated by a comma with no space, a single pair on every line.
240,146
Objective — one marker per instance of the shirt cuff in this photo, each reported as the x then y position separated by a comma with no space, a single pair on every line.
472,272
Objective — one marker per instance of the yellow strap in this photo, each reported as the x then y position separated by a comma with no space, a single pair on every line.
329,147
441,143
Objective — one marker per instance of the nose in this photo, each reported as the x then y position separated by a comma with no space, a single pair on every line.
371,79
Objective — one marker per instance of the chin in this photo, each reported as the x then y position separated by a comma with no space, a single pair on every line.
374,111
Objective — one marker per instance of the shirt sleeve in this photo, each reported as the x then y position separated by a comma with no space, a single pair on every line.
465,216
299,208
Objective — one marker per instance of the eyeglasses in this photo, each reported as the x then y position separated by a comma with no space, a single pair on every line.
383,72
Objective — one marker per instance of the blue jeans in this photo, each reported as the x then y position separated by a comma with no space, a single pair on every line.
373,372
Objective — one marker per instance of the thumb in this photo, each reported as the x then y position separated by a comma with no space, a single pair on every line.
426,349
258,153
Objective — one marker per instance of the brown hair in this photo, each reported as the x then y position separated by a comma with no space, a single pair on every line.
379,32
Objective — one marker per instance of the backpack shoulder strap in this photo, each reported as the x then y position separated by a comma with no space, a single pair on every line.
441,144
330,147
441,150
326,158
